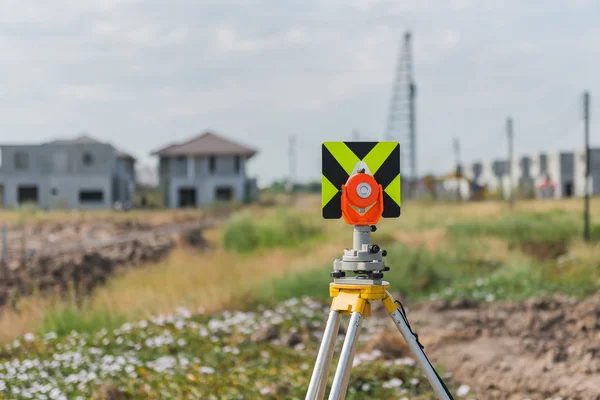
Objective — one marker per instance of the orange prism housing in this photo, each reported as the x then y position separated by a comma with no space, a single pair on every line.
350,199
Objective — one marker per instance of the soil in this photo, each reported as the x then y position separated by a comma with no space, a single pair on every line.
542,348
545,251
82,256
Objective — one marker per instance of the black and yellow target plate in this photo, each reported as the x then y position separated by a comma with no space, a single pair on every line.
342,159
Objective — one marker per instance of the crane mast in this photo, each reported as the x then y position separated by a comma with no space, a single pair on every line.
401,122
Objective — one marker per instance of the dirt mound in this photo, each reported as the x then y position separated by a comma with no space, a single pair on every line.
545,251
537,349
81,270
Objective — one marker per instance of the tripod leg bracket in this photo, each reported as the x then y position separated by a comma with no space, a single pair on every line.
389,303
347,302
356,298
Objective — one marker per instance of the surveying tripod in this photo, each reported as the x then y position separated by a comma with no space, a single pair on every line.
361,203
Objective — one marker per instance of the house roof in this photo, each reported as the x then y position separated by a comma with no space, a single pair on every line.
85,138
207,143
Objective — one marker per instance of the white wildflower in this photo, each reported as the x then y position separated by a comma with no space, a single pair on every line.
264,391
207,370
463,390
393,383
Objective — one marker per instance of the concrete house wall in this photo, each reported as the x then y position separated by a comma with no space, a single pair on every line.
566,170
65,175
567,173
178,173
554,172
594,180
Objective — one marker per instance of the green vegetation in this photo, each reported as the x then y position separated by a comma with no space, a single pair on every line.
453,251
537,262
524,227
283,229
414,272
185,356
64,320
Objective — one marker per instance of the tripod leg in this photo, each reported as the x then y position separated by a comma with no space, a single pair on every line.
411,339
342,374
318,380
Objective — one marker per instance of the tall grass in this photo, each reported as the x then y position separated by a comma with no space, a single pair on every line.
283,229
414,272
297,264
69,317
463,272
524,227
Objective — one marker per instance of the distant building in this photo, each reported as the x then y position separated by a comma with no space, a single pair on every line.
72,173
547,175
205,169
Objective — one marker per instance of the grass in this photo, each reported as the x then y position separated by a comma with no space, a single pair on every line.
185,356
434,250
246,233
486,259
526,227
413,272
68,318
153,217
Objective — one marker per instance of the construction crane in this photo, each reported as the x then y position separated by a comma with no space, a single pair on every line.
401,116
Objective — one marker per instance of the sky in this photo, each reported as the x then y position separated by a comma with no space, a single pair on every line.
144,74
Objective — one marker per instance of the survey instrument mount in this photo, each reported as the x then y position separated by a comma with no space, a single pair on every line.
361,183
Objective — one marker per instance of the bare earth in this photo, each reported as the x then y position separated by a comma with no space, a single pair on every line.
543,348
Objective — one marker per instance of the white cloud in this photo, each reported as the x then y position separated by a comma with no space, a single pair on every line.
263,68
88,93
449,39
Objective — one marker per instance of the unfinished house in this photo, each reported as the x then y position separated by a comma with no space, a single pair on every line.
500,182
580,166
522,176
66,174
203,170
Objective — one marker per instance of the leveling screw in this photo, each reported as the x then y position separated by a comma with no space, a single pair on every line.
373,248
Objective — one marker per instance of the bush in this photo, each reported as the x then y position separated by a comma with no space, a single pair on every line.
413,271
524,228
284,229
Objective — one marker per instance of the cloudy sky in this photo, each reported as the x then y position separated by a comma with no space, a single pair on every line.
142,74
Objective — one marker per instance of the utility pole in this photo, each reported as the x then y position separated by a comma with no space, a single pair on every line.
509,133
458,173
411,115
292,172
355,135
586,210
